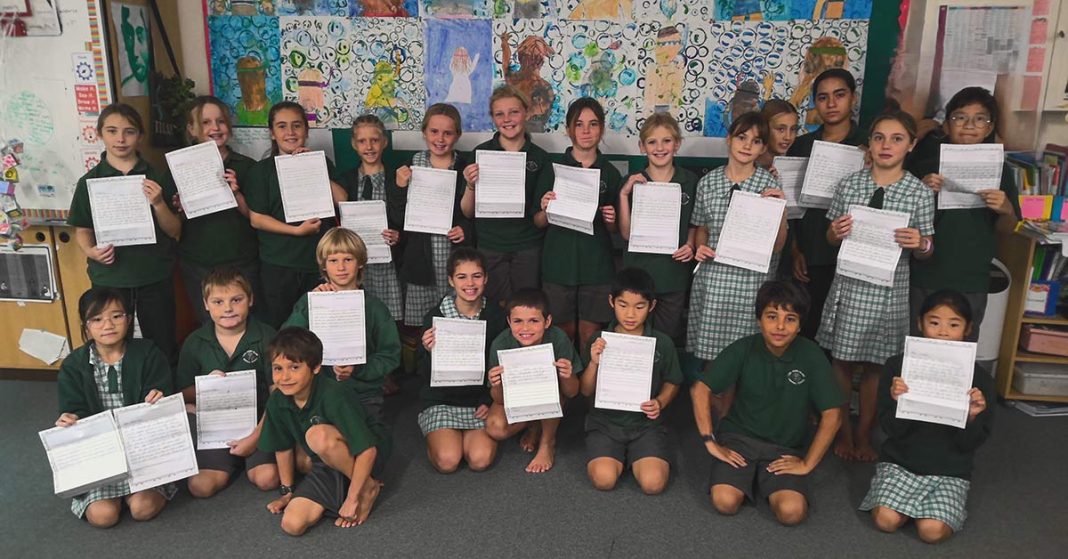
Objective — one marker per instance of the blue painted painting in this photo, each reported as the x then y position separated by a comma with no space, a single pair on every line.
782,10
245,65
312,7
384,8
459,68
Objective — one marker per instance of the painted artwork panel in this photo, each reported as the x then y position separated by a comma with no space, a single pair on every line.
785,10
674,70
672,11
312,7
455,8
316,54
241,7
602,61
245,65
612,10
522,9
383,8
459,68
387,73
529,55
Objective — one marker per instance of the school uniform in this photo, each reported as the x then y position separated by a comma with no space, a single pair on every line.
863,321
288,265
201,354
966,241
512,246
925,469
627,436
328,404
671,278
563,348
424,264
453,407
381,280
383,350
576,268
88,386
144,273
810,233
220,239
770,414
723,297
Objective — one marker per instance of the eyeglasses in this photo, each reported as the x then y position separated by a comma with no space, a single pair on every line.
975,120
113,318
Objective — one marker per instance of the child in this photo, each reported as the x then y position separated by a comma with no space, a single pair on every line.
512,246
723,295
577,268
142,272
112,371
233,341
342,258
373,181
966,237
659,140
287,251
208,119
615,439
453,419
926,468
778,378
423,269
782,121
530,324
865,324
814,259
348,447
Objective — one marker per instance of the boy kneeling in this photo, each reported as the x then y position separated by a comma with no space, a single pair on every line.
777,377
346,445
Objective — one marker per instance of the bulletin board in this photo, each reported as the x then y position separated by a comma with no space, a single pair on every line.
54,88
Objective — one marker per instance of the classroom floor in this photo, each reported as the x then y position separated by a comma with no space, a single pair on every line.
1017,505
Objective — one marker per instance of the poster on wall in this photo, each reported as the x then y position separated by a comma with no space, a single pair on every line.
245,65
134,47
459,68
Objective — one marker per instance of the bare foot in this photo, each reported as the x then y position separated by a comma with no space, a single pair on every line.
843,448
368,495
543,460
863,451
529,441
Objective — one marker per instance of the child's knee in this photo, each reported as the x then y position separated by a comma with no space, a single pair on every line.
102,514
653,484
497,427
294,524
727,500
264,477
887,520
604,474
791,511
445,460
933,531
322,438
480,458
203,486
144,507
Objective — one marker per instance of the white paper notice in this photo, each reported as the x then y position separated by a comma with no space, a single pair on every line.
791,176
226,408
828,164
459,356
625,375
501,188
159,447
655,213
304,182
939,376
747,239
967,170
368,220
577,191
121,213
338,318
531,390
870,252
198,174
43,345
86,455
431,197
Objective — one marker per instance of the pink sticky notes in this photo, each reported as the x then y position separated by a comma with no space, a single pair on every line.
1035,207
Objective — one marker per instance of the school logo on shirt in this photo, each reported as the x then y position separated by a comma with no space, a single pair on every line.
250,356
532,166
685,199
656,356
604,187
316,420
795,377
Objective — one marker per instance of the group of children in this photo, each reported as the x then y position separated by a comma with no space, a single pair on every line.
537,283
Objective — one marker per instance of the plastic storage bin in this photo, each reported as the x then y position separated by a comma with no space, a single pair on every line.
1041,379
1037,339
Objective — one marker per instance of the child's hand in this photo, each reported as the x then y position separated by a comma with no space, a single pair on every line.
684,253
404,176
897,388
787,464
301,149
549,196
774,173
976,403
104,254
324,287
842,226
934,181
471,175
628,186
456,235
495,375
343,372
725,454
231,179
704,252
309,227
563,368
482,412
243,447
907,237
608,214
996,200
596,349
278,505
651,408
176,203
392,236
217,373
153,192
800,266
428,339
66,420
773,193
346,515
153,396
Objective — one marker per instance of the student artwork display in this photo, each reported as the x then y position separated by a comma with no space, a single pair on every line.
704,62
135,58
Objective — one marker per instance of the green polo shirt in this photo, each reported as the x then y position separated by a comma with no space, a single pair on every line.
669,275
202,354
569,257
773,395
264,197
224,237
461,396
383,345
328,404
144,369
812,228
563,348
513,234
666,369
134,266
965,241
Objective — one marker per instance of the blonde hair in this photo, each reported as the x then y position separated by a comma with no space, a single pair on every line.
508,91
657,120
445,110
344,241
368,120
196,110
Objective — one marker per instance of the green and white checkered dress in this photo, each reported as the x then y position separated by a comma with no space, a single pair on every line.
863,321
381,280
723,296
943,498
419,299
444,416
110,400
